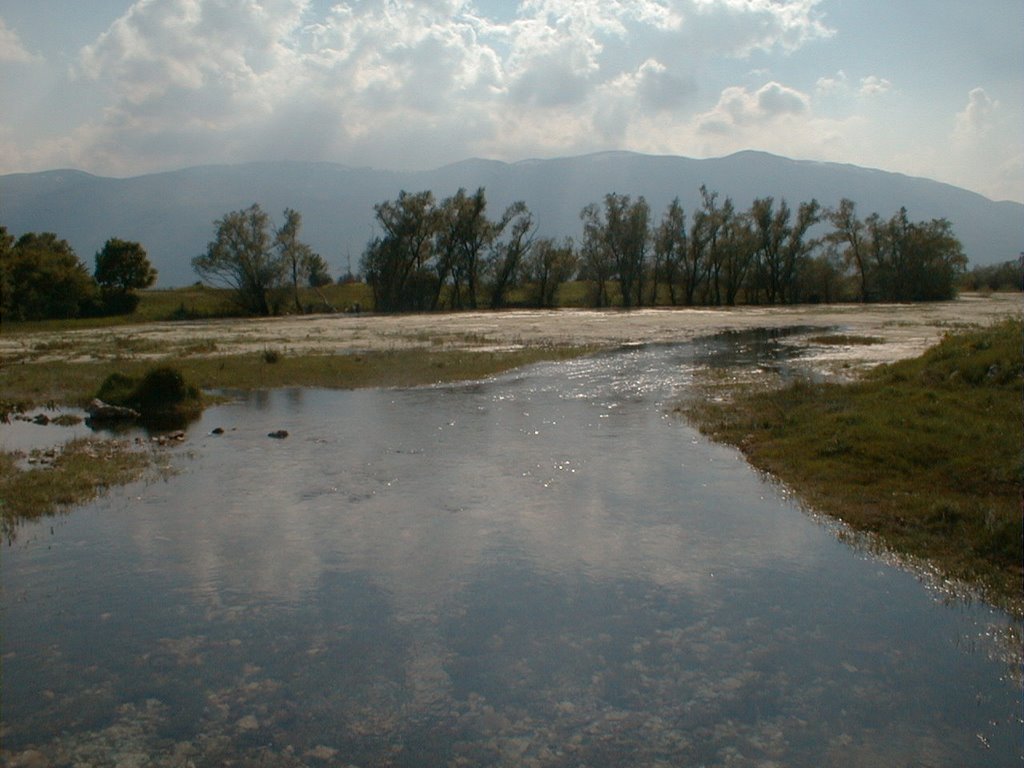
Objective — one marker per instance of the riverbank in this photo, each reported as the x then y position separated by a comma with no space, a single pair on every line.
921,457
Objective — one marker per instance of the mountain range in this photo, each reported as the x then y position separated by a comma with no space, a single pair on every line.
172,214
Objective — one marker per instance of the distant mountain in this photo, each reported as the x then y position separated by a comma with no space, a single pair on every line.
172,214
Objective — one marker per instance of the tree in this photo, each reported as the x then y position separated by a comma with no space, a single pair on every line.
319,271
42,278
6,278
463,234
738,247
618,237
849,232
508,255
900,260
797,250
709,222
783,246
596,263
670,249
243,257
397,264
122,267
548,266
297,257
772,228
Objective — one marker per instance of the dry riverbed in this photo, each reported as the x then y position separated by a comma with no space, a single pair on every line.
896,331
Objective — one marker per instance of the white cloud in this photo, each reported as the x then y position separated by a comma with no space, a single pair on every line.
739,108
977,117
872,85
411,83
831,86
740,27
12,51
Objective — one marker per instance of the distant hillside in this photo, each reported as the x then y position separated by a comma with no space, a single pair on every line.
172,214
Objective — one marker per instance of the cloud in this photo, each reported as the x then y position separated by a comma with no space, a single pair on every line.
977,117
414,83
873,85
738,108
11,49
831,86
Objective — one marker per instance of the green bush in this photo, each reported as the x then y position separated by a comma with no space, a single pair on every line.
118,389
161,396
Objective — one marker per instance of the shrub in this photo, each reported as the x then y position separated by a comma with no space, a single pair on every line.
161,396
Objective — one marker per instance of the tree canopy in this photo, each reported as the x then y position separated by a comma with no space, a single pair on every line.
248,257
42,277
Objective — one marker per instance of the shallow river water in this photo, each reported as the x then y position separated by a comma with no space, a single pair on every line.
544,569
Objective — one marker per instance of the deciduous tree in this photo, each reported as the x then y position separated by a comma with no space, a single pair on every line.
242,256
297,257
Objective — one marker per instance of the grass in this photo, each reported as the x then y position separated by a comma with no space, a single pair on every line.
844,340
199,302
59,478
925,454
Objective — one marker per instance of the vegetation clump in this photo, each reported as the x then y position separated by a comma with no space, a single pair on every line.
41,277
59,478
161,396
926,454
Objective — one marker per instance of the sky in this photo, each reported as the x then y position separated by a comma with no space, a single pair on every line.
929,88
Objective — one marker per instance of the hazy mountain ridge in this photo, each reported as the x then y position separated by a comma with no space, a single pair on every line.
172,213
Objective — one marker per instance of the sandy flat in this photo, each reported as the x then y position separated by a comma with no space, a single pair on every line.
904,330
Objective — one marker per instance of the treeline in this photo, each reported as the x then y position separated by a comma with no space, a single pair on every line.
450,254
41,277
1006,276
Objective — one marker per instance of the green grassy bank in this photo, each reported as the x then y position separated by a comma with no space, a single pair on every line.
925,454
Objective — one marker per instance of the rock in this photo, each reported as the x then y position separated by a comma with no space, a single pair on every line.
171,437
30,758
280,434
217,431
322,752
100,411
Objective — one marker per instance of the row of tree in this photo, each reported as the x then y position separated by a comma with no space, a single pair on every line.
42,277
451,255
431,255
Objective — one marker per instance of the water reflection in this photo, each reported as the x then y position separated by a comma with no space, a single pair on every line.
538,570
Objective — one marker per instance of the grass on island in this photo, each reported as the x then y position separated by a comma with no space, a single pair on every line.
925,454
61,477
